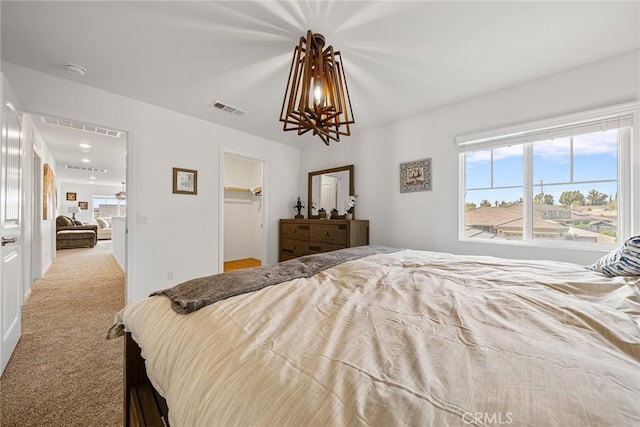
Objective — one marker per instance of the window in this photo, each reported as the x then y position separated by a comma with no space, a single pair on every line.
108,207
564,181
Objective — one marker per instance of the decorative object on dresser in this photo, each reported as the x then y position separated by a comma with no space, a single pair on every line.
299,237
299,206
350,205
328,187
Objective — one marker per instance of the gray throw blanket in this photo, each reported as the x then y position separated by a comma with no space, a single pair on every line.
194,294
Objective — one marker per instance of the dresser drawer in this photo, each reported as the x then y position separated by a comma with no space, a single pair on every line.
291,247
299,237
335,234
317,247
286,257
289,230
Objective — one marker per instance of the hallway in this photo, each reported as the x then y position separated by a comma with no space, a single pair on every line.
64,371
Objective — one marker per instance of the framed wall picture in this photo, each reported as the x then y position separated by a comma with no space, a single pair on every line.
83,205
185,181
72,197
415,176
49,192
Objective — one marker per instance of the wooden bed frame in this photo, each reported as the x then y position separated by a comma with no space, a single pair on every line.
143,405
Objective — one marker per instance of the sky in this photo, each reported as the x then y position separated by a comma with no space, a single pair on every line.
594,159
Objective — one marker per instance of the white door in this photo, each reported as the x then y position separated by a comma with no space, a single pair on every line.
11,295
328,193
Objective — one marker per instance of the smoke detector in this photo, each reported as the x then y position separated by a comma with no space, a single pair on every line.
76,69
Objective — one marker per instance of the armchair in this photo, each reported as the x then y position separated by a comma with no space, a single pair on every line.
73,234
104,228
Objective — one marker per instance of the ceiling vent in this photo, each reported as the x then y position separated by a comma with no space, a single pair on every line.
85,169
228,108
81,126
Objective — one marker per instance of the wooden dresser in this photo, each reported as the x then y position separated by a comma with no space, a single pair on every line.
300,237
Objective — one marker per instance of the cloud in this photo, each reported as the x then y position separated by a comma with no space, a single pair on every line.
556,150
499,153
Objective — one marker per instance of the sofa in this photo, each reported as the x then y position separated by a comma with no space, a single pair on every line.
74,234
104,228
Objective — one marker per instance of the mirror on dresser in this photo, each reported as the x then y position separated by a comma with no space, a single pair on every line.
329,189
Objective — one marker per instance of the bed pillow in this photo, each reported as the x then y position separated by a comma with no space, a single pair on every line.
102,223
624,261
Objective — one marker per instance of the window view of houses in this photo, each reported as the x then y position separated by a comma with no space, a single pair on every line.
593,223
575,187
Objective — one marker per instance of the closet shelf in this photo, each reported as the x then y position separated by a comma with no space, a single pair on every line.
255,190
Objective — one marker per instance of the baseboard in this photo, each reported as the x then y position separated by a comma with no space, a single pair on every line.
46,269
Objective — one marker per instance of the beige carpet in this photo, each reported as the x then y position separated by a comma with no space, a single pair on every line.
63,371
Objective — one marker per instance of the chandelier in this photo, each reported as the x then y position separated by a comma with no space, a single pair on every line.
317,97
121,195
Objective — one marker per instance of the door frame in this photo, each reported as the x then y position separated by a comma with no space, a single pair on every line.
265,205
35,258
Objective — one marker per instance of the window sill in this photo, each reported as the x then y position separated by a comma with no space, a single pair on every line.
544,245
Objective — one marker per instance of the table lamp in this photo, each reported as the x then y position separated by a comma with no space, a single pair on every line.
73,210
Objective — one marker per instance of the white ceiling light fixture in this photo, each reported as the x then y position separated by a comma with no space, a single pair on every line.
85,160
83,145
76,69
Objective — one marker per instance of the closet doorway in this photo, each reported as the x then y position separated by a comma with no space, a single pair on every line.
243,212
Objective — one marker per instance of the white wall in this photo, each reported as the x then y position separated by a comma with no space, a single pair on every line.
242,211
429,220
166,232
84,193
119,240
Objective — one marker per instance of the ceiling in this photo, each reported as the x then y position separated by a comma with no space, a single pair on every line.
95,155
401,58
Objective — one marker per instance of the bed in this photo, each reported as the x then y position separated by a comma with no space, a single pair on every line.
398,337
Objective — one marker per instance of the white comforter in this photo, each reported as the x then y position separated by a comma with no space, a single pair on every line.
409,338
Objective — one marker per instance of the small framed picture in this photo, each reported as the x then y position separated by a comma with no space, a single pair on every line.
185,181
415,176
83,205
72,197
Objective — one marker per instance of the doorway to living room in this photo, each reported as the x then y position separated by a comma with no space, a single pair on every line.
87,198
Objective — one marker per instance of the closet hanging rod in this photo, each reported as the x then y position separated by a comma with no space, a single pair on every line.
255,190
